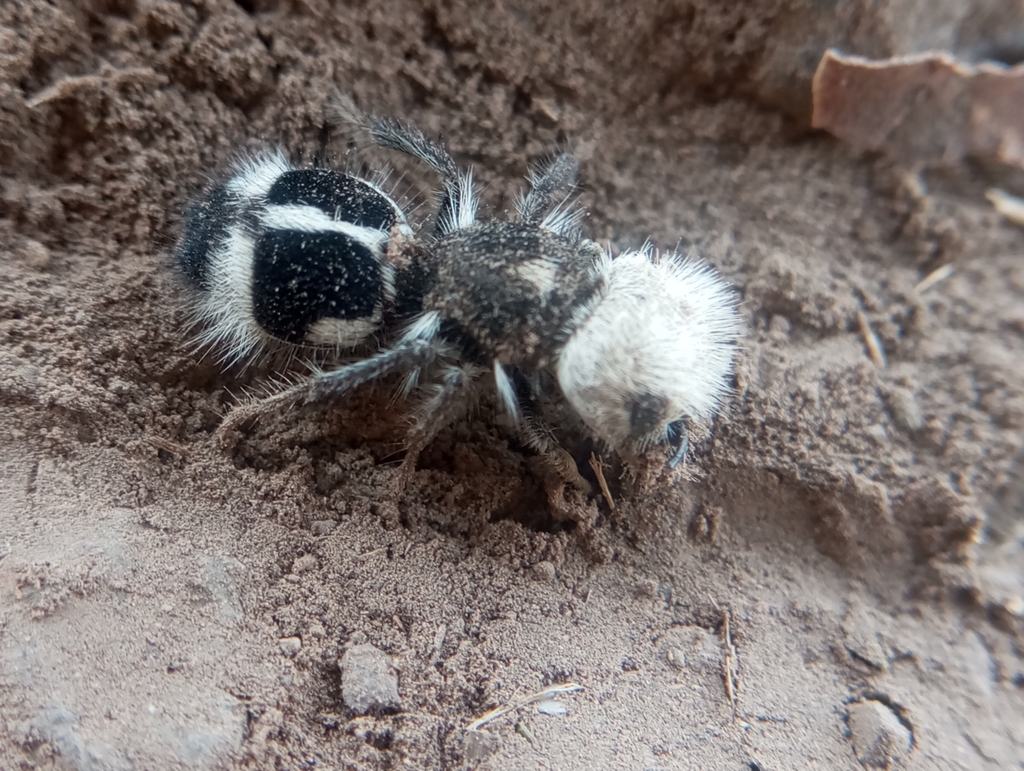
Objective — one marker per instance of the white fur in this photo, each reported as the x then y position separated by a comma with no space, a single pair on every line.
226,312
506,391
376,184
541,272
426,326
254,176
388,277
565,220
226,309
464,213
309,219
659,325
344,333
467,201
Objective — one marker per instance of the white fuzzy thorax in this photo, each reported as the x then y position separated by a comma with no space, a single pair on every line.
660,328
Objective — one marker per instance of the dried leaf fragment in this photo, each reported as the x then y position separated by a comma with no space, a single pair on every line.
927,108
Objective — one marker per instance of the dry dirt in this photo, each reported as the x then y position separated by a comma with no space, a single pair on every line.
859,528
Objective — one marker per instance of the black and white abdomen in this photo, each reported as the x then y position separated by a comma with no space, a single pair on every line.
319,274
292,255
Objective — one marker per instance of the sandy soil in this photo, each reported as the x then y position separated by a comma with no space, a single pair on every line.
837,574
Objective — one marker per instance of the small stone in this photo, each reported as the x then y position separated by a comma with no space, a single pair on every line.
878,434
779,327
36,255
865,650
479,745
544,571
693,648
1014,605
290,646
304,564
546,107
705,651
676,658
646,589
906,411
880,740
552,707
322,526
369,681
316,631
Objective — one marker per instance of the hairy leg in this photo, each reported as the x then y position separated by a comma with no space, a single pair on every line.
403,356
558,177
458,200
536,433
452,398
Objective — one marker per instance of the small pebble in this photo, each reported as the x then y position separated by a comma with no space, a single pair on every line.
906,411
646,589
705,652
544,571
880,740
1014,605
479,745
304,563
552,707
863,646
369,681
779,327
316,631
36,254
322,526
290,646
676,658
878,434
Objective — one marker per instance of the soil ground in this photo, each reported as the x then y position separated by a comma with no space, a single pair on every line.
836,573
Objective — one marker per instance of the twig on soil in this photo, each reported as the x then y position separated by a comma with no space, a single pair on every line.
168,446
598,465
69,86
730,662
1010,206
874,345
517,705
933,278
524,730
368,554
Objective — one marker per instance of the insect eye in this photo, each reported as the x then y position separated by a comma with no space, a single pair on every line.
678,438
